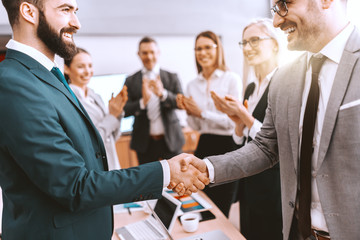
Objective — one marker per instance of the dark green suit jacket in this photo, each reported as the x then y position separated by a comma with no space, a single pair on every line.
53,166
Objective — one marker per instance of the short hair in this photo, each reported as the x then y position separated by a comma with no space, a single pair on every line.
147,39
68,62
220,59
13,8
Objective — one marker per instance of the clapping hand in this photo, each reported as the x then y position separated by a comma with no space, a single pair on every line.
180,101
157,86
146,92
191,107
116,104
187,174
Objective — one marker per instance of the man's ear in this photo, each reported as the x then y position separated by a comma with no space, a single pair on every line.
325,4
29,12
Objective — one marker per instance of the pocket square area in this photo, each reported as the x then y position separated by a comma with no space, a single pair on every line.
350,104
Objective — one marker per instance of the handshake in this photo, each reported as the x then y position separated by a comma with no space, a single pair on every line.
188,174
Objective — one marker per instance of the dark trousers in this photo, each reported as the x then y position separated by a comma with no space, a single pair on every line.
260,205
157,149
223,195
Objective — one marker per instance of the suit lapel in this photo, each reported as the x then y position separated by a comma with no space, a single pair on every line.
295,82
44,75
163,79
338,91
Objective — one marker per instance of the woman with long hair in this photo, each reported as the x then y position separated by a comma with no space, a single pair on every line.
259,195
215,127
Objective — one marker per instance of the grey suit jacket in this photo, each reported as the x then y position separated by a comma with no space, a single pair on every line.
174,137
338,167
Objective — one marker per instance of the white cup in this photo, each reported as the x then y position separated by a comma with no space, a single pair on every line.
190,222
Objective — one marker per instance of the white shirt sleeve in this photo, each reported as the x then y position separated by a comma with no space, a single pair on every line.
237,139
210,168
255,128
166,173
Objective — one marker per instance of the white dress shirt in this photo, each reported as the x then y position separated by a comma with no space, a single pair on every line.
253,101
48,64
213,121
333,51
153,105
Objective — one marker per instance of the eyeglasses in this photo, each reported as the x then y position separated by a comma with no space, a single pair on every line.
207,48
254,41
280,8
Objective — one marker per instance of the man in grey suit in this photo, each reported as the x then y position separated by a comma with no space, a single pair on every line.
321,28
152,100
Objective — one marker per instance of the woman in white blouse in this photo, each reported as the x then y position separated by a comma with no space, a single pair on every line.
214,126
79,70
259,195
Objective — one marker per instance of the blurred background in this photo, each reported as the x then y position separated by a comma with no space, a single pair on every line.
111,30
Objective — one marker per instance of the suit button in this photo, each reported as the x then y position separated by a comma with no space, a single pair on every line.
291,204
98,155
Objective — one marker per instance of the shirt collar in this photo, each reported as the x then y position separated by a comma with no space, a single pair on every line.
32,52
335,48
78,91
267,79
155,70
216,74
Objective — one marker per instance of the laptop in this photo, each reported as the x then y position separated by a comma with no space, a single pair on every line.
157,226
212,235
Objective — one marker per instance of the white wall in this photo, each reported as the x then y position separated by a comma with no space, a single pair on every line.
118,54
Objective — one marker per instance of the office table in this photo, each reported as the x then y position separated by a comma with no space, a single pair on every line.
220,222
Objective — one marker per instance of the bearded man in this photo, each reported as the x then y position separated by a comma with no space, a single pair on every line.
53,166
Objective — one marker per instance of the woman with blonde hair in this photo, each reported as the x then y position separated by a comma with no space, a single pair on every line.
259,195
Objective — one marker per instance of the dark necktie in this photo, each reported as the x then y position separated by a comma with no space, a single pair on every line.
56,71
307,148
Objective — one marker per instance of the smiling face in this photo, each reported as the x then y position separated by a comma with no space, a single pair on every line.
206,54
57,24
80,70
149,54
264,52
303,24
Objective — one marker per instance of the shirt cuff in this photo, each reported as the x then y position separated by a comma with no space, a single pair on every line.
237,139
164,95
210,168
255,128
166,173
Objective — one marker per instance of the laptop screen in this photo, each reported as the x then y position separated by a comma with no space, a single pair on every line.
165,209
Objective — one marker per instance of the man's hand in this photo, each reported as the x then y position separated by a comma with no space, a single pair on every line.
180,101
146,92
116,104
157,86
187,174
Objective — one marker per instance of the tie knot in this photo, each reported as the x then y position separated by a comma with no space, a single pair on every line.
316,63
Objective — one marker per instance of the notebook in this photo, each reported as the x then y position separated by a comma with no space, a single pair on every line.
157,226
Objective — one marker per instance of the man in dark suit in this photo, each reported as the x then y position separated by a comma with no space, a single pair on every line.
53,166
152,100
319,195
